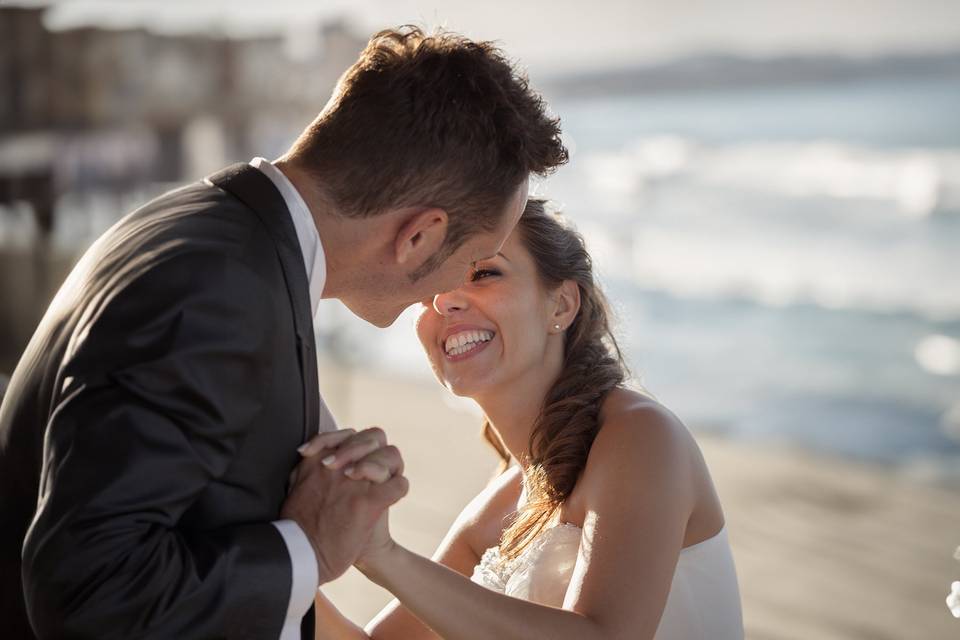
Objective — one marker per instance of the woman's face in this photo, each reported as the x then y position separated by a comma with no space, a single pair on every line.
492,329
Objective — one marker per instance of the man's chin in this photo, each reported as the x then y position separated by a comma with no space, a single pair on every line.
383,323
380,318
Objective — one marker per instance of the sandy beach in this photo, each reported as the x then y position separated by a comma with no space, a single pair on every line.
826,549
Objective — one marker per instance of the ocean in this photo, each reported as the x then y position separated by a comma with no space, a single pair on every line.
784,261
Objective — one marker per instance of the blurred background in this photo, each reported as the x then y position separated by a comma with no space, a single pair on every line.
771,191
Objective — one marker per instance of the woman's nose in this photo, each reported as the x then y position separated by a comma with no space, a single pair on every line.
449,302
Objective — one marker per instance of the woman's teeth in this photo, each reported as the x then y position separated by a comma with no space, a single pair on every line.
466,340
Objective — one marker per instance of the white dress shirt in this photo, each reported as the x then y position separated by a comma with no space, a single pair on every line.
302,557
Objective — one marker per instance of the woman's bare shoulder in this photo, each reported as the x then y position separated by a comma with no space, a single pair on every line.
628,413
636,428
642,447
483,519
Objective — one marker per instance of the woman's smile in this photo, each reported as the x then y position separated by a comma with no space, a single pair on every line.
500,303
467,343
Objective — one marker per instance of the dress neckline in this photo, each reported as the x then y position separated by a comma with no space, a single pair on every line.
712,538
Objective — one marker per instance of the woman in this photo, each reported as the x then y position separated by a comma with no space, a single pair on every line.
607,526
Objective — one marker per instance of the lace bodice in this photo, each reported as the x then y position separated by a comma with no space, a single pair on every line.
540,574
704,600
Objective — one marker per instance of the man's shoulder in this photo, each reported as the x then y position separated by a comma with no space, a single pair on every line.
190,239
196,203
195,217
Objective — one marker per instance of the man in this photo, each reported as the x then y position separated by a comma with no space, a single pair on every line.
149,431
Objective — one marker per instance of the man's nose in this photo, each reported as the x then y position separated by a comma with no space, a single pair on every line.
449,302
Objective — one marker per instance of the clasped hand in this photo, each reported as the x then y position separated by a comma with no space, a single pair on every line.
340,493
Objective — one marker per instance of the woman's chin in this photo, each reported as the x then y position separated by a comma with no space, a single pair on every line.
457,388
463,387
470,374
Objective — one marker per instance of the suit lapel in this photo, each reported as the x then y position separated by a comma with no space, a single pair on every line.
256,190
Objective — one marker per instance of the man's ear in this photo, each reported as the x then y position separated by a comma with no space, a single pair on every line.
420,236
566,305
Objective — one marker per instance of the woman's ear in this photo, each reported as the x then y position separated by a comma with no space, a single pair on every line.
420,236
566,305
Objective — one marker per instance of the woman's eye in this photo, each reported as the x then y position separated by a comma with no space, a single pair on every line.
480,274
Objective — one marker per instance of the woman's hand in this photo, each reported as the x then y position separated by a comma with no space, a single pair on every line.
337,506
363,456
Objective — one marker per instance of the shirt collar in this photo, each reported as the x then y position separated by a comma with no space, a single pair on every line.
314,259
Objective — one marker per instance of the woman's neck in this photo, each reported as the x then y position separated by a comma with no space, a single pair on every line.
514,406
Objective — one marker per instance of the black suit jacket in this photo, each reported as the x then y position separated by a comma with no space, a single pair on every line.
149,430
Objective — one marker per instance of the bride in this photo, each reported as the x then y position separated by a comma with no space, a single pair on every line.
604,522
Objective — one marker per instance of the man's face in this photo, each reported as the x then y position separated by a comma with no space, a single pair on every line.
451,273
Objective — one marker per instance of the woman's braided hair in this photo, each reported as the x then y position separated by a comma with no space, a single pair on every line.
592,366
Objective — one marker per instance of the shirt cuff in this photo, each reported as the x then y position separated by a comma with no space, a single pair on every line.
303,562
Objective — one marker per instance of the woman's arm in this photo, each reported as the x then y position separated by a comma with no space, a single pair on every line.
638,492
459,609
394,622
333,625
478,525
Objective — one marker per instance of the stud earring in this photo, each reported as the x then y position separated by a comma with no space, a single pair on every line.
557,327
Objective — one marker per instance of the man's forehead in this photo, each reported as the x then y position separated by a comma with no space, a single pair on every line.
520,197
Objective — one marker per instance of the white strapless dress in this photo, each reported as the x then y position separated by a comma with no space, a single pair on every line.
704,600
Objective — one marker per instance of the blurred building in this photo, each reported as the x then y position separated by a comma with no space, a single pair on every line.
101,80
92,113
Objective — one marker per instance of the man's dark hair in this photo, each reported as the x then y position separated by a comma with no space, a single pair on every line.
430,120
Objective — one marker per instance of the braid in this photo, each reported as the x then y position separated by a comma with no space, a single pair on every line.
568,423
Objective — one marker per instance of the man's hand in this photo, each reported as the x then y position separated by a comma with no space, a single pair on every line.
344,484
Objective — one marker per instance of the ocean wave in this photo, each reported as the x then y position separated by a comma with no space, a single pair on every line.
829,224
801,271
918,182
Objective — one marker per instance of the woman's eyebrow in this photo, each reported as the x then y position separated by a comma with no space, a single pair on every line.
498,253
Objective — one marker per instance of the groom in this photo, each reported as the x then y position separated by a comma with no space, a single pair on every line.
149,431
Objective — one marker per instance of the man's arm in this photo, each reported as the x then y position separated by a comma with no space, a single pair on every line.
304,581
160,387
